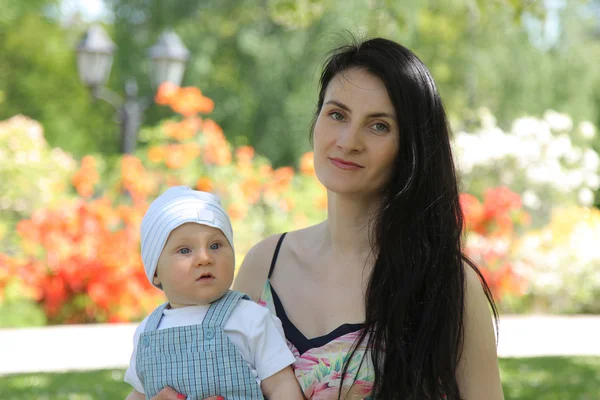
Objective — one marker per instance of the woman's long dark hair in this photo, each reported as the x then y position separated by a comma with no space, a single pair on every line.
416,290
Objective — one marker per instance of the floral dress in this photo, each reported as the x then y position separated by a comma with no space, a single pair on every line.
320,361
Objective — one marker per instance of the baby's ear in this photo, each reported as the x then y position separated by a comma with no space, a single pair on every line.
156,279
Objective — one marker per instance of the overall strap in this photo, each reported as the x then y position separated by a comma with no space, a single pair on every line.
219,311
154,319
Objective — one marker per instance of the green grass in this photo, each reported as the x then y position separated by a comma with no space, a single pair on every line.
543,378
551,378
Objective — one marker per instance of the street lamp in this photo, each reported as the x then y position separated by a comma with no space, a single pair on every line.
94,60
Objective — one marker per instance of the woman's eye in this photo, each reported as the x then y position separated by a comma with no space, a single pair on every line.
185,250
380,127
337,116
215,246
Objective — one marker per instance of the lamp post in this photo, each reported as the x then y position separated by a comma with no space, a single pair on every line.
168,58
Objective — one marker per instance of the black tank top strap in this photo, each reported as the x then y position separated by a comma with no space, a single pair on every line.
276,253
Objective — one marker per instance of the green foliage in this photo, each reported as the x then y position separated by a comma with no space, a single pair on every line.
260,61
17,311
38,78
262,68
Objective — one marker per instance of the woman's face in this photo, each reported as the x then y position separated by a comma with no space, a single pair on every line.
356,135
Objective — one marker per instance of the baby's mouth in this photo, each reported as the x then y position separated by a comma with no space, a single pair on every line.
205,277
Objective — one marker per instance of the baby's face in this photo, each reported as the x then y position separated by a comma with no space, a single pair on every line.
196,265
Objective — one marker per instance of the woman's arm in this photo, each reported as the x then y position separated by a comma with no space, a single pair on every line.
254,271
478,375
283,385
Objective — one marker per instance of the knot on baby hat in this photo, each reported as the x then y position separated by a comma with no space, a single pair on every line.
176,206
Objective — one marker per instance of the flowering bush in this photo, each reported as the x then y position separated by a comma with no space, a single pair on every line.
547,161
32,174
491,238
81,260
563,262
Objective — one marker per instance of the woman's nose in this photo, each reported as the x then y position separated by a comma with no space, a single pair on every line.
350,139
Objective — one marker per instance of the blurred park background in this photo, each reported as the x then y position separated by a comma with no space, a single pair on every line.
519,78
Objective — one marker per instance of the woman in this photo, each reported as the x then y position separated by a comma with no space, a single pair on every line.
379,300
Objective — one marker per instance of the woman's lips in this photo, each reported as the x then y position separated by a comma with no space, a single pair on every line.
345,165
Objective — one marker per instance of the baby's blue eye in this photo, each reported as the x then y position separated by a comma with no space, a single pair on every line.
185,250
215,246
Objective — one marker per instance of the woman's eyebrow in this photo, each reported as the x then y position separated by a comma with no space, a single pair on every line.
346,108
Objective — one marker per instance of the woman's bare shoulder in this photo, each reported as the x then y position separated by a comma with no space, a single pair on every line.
254,271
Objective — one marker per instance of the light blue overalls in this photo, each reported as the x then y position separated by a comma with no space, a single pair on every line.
197,360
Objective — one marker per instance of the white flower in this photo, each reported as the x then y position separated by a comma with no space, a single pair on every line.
488,121
529,127
62,158
573,155
531,199
591,161
575,178
525,127
560,146
528,152
586,197
34,157
587,130
593,181
558,122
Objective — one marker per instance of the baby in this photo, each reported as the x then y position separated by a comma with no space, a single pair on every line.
206,340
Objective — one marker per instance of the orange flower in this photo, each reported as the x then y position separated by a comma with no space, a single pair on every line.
307,164
217,153
204,184
216,147
135,179
501,200
472,209
283,177
322,202
237,211
191,151
223,155
244,155
172,180
183,130
190,101
166,93
251,189
131,167
265,171
156,154
86,177
286,204
175,157
210,126
300,221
